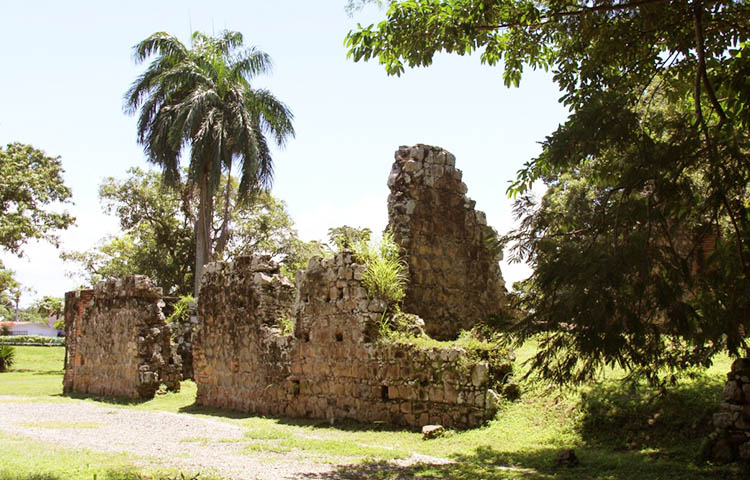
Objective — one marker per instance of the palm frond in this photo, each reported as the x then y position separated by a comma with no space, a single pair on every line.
163,43
274,116
250,63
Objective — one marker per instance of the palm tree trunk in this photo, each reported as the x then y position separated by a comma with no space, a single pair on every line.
202,229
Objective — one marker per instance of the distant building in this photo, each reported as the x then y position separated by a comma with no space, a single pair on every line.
29,328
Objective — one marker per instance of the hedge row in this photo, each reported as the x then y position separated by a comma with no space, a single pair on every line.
30,340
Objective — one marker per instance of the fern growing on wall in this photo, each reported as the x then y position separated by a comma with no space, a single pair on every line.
386,274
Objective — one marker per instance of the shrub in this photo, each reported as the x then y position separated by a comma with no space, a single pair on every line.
31,340
286,325
385,277
181,309
7,357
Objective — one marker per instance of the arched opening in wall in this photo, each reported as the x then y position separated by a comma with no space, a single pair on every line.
306,337
295,387
339,337
384,393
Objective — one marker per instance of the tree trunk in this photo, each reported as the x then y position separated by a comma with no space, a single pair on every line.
202,229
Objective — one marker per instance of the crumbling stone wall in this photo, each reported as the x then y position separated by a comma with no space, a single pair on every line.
183,329
75,304
240,359
117,341
730,439
330,368
454,276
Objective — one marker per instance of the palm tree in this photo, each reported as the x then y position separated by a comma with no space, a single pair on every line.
200,98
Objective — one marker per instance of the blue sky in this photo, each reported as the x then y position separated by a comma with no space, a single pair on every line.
66,66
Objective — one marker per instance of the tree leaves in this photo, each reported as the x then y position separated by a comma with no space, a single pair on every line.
641,245
30,183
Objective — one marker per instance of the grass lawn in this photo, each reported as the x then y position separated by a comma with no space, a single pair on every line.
618,433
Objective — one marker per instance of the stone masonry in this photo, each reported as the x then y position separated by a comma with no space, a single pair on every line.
331,367
454,276
182,335
117,342
731,438
334,364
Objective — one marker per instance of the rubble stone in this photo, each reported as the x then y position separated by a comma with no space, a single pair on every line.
432,431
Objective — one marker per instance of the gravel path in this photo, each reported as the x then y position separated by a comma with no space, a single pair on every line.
176,440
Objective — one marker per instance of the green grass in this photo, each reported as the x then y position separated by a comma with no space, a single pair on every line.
37,372
618,433
22,459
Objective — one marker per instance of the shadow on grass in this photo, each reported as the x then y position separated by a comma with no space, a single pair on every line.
197,409
346,425
103,399
673,422
37,372
343,425
109,475
487,463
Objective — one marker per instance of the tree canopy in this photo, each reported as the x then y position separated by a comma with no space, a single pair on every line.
641,245
31,184
9,289
158,231
346,237
157,238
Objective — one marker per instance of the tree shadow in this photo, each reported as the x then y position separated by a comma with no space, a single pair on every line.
125,401
121,474
346,425
342,425
673,422
197,409
37,372
490,464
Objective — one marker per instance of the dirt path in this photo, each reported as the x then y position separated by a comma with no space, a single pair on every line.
176,440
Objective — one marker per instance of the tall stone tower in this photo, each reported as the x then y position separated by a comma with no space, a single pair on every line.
454,275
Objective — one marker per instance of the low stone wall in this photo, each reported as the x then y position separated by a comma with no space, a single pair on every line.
452,254
331,367
118,343
731,438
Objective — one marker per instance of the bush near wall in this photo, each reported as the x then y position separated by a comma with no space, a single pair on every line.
31,340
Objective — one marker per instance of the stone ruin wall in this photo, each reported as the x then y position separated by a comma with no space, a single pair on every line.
730,439
117,342
182,334
329,368
232,366
454,277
